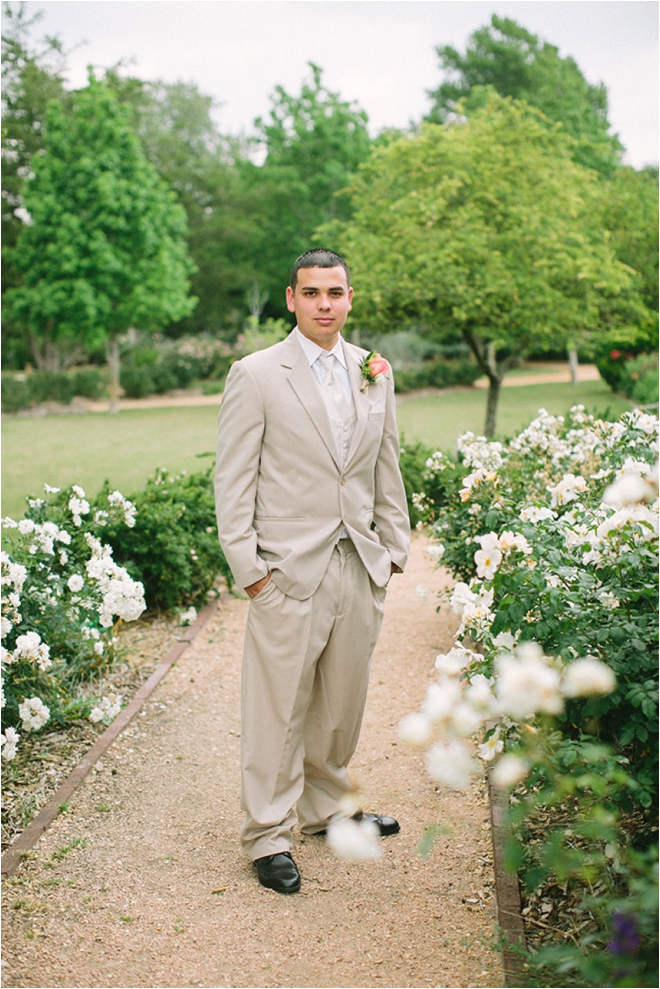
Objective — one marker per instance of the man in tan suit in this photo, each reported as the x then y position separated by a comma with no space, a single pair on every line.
313,520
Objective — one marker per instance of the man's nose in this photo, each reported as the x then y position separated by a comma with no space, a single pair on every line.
324,302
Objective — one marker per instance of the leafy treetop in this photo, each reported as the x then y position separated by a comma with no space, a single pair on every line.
498,232
514,62
104,248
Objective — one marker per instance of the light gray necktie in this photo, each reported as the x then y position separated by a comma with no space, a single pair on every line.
336,404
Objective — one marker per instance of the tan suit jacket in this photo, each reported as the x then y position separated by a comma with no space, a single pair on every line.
282,496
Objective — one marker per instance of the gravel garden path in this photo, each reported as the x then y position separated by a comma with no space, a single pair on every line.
141,882
551,374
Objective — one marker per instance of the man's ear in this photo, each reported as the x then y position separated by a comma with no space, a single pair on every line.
289,299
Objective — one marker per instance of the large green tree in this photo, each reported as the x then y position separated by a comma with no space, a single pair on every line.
176,126
514,62
312,145
490,227
32,76
104,246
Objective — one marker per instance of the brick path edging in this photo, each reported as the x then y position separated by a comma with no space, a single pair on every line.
507,892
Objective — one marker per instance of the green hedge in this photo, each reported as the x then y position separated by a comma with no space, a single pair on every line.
20,391
173,547
442,372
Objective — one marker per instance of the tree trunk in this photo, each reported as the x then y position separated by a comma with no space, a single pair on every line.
112,355
486,358
573,364
492,405
46,353
256,299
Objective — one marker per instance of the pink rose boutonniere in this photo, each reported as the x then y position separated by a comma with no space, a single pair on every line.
372,367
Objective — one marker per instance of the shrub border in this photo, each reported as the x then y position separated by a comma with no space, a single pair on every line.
28,838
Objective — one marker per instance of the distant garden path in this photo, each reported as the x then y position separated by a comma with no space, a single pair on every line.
141,883
559,375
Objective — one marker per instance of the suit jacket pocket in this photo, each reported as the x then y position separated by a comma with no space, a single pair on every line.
279,518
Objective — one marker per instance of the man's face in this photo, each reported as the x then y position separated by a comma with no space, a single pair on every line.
321,302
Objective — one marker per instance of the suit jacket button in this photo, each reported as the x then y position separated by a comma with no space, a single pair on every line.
343,480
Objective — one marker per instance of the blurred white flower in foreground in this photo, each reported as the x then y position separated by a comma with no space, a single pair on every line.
527,684
450,764
509,770
588,677
354,841
416,729
434,552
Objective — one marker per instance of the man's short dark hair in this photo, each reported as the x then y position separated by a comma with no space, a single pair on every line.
318,258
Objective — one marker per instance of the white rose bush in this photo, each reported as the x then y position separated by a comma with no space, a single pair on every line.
63,597
553,682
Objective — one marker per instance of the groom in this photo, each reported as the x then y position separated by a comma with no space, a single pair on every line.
312,518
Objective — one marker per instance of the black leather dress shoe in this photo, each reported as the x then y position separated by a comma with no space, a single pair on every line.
386,825
278,872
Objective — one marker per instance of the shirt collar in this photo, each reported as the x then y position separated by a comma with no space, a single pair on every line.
312,351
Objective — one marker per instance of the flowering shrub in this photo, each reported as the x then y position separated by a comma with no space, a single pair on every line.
567,557
554,536
173,547
62,596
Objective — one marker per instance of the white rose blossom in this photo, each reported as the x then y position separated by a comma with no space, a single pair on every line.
487,561
106,710
491,747
188,617
454,662
128,509
30,648
9,740
78,507
33,713
569,489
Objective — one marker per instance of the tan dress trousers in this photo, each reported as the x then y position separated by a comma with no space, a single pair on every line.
304,686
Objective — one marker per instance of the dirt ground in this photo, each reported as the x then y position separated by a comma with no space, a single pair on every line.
142,883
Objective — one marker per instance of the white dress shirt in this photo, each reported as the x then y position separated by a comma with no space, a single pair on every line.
312,352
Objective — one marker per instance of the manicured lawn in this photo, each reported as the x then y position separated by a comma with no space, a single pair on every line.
88,449
127,448
438,420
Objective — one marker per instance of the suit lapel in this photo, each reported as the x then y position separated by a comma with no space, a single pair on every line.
304,385
361,398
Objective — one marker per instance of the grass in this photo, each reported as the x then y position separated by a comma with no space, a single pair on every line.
438,420
87,449
127,448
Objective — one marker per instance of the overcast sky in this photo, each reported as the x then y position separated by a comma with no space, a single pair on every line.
380,53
